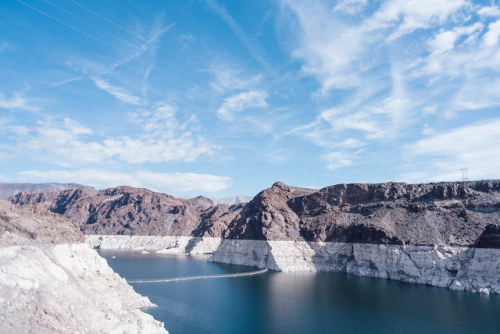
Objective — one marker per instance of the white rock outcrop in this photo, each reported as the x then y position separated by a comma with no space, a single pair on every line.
67,288
458,268
157,244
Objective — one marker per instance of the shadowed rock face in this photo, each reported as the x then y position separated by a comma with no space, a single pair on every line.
268,216
454,213
451,213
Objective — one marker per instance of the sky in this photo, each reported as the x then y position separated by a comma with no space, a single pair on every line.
224,98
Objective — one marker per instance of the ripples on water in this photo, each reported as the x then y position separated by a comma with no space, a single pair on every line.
298,302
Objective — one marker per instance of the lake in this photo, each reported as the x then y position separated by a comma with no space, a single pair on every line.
298,302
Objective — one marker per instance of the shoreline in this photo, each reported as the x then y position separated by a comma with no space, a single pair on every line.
456,268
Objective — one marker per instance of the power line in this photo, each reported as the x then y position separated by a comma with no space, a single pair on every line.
64,23
130,32
99,40
118,37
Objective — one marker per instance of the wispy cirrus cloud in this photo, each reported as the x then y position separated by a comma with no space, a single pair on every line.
253,99
250,43
350,7
472,146
388,80
229,77
172,183
119,93
344,56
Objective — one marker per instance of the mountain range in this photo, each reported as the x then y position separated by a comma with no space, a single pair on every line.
447,213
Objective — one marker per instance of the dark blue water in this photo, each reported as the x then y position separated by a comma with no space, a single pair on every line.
299,303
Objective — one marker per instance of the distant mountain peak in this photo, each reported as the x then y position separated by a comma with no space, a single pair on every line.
10,189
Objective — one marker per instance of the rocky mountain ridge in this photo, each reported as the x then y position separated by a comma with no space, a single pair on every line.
448,213
9,189
134,211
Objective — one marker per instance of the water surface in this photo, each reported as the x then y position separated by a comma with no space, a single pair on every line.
298,302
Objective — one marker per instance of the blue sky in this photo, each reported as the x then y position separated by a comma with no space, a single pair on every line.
224,98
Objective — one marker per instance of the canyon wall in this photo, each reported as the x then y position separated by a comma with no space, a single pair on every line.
443,234
458,268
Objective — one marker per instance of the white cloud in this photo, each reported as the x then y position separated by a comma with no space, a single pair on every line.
381,120
160,120
164,139
441,156
491,11
445,41
477,94
246,100
379,80
366,118
171,183
350,7
491,36
335,160
16,102
229,78
118,92
330,48
410,15
340,53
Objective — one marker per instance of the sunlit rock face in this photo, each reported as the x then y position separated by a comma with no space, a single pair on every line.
52,282
135,211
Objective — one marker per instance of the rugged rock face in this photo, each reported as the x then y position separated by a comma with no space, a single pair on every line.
51,282
458,214
135,211
268,216
455,214
32,225
444,234
9,189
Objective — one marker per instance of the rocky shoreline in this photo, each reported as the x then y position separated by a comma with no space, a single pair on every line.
156,244
457,268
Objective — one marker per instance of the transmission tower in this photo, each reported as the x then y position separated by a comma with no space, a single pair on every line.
465,176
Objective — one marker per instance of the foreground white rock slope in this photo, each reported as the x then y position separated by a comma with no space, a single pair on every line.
51,282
